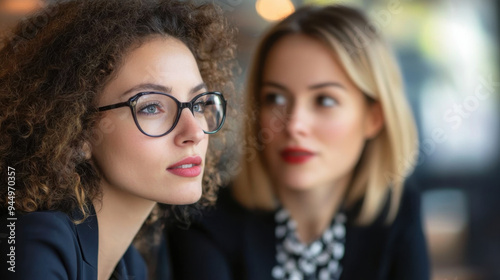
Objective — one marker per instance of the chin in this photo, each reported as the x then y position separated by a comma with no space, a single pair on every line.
181,200
191,199
298,187
297,183
187,195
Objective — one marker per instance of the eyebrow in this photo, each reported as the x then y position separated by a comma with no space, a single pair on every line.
157,87
276,85
199,87
148,86
327,84
315,86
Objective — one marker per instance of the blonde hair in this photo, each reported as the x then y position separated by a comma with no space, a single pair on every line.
388,158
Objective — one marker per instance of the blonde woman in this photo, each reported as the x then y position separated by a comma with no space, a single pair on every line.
321,194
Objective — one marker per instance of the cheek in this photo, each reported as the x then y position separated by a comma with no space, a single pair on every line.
344,135
123,148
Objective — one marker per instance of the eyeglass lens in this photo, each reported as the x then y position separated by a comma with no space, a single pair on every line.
156,113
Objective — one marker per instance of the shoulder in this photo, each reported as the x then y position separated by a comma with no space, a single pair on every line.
406,223
409,247
49,227
389,251
45,244
409,206
46,222
46,227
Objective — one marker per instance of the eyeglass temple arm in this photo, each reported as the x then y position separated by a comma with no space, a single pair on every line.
113,106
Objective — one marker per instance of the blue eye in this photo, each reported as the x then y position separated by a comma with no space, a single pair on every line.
275,99
150,109
199,107
326,101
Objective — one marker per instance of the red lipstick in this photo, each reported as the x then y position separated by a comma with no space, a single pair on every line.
188,167
296,155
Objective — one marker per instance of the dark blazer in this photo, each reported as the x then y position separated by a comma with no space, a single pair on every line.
230,242
48,245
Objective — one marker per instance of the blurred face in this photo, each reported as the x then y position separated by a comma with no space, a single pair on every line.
314,120
166,169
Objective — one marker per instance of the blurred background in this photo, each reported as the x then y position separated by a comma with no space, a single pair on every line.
448,53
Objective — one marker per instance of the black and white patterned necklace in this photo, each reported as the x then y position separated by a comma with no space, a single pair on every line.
319,260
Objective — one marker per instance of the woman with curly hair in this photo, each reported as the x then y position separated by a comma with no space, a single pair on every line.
329,143
93,131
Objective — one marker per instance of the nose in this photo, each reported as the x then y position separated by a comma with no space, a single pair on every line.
297,123
188,131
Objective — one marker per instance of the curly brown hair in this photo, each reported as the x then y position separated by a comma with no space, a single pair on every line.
54,65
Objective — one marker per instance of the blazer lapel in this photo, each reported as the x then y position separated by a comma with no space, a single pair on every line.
88,237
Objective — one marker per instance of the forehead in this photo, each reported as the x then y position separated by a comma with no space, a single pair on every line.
157,59
302,58
161,61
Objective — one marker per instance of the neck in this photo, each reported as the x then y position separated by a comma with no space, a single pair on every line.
120,215
312,209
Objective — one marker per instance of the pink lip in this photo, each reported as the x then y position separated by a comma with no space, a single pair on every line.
187,171
296,155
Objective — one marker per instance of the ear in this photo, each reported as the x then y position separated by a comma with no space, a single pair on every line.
374,120
87,150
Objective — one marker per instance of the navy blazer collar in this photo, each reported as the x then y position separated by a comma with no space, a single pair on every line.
88,237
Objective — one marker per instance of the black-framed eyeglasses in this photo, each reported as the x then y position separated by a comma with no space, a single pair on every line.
156,114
